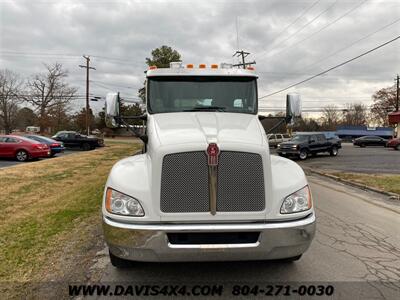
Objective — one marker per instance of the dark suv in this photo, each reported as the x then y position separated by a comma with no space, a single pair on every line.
304,144
72,139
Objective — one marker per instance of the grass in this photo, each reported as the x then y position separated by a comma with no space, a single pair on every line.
41,202
385,182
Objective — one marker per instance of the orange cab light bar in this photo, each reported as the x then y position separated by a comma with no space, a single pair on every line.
202,66
189,66
214,66
152,67
251,68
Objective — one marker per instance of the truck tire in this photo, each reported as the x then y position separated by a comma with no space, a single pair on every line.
22,155
85,147
334,151
303,154
120,263
397,147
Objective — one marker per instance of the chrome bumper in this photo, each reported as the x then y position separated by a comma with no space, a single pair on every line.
149,242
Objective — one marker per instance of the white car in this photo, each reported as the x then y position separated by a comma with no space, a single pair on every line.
275,139
206,187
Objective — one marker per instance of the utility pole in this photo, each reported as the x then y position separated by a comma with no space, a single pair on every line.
243,54
397,92
87,67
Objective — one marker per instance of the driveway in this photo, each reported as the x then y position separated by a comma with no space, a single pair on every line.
376,160
8,162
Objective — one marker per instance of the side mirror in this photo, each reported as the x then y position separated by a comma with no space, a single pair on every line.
293,107
112,110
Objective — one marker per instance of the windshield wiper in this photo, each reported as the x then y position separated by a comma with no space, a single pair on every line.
206,108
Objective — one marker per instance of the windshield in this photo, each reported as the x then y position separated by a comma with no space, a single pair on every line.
212,93
300,138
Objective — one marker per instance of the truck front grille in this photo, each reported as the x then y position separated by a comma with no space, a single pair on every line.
184,182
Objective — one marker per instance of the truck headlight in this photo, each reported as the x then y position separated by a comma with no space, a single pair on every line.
121,204
279,146
294,146
297,202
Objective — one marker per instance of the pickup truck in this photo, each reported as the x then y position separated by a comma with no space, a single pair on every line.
309,143
275,139
72,139
205,187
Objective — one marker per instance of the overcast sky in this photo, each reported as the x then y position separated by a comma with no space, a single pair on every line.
289,39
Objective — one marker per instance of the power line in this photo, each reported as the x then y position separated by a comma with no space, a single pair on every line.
307,9
332,68
352,44
324,27
114,60
21,53
120,86
303,27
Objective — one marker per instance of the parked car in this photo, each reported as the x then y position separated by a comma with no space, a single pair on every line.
306,143
55,146
370,140
275,139
22,148
74,139
394,143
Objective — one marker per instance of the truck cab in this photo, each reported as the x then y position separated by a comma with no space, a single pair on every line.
206,187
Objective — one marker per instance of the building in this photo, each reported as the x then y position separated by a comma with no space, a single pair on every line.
352,132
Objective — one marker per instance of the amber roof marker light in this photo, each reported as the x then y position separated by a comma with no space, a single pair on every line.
202,66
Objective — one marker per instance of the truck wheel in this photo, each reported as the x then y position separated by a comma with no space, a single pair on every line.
303,154
85,146
362,145
334,151
397,147
22,155
120,263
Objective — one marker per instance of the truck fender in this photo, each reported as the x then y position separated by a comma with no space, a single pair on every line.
131,176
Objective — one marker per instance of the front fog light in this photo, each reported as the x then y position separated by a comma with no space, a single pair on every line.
121,204
297,202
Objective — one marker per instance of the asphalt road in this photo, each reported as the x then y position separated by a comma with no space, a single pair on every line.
356,241
355,159
8,162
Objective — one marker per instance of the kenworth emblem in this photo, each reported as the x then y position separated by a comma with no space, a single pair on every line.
212,154
212,158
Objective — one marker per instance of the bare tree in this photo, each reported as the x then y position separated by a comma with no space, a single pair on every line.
355,114
384,102
10,84
330,117
49,90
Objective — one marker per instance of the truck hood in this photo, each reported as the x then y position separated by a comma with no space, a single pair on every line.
207,127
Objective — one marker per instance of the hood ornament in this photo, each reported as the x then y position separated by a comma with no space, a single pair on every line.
212,154
212,160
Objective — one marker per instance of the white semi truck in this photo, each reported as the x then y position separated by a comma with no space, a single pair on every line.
205,187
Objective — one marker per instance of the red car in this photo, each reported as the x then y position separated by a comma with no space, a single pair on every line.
22,148
394,143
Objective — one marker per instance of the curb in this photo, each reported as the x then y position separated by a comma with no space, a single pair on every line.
392,196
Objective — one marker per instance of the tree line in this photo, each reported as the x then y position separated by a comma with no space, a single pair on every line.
45,100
